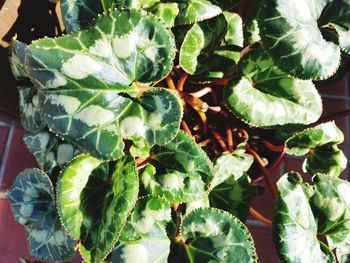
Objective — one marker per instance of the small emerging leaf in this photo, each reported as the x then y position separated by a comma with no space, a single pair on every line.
322,141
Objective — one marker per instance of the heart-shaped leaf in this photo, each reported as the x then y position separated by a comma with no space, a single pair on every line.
49,151
179,171
144,237
266,97
31,112
89,86
294,227
94,202
17,56
211,235
321,141
290,31
167,12
32,202
332,208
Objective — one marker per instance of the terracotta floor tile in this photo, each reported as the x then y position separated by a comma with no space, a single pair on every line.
338,88
19,158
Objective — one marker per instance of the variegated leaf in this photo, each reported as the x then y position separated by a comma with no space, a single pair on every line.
294,227
32,202
31,112
144,237
49,151
17,56
290,31
179,171
234,196
79,14
321,141
89,83
192,11
332,208
94,202
211,235
167,12
266,97
231,165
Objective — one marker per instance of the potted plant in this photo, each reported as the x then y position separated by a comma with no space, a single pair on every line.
152,120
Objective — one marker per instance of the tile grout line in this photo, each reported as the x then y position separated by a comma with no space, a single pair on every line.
6,152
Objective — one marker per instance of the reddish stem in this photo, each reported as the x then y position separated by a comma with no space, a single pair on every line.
259,217
186,128
229,139
272,147
181,82
170,82
202,92
221,82
219,139
272,167
272,187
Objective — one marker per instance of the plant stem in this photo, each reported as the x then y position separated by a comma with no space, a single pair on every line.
272,147
202,92
273,166
219,139
272,187
186,128
229,139
170,82
181,82
259,217
221,82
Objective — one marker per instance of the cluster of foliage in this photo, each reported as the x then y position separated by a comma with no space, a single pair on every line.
103,105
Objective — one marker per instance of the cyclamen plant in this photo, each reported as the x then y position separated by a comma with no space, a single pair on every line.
120,182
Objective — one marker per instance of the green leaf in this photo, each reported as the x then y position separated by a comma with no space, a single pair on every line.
230,188
192,11
211,235
251,27
294,227
94,203
343,38
18,51
31,112
89,83
49,151
167,12
291,34
179,171
79,14
32,202
234,196
332,207
266,97
231,165
321,141
144,237
200,43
